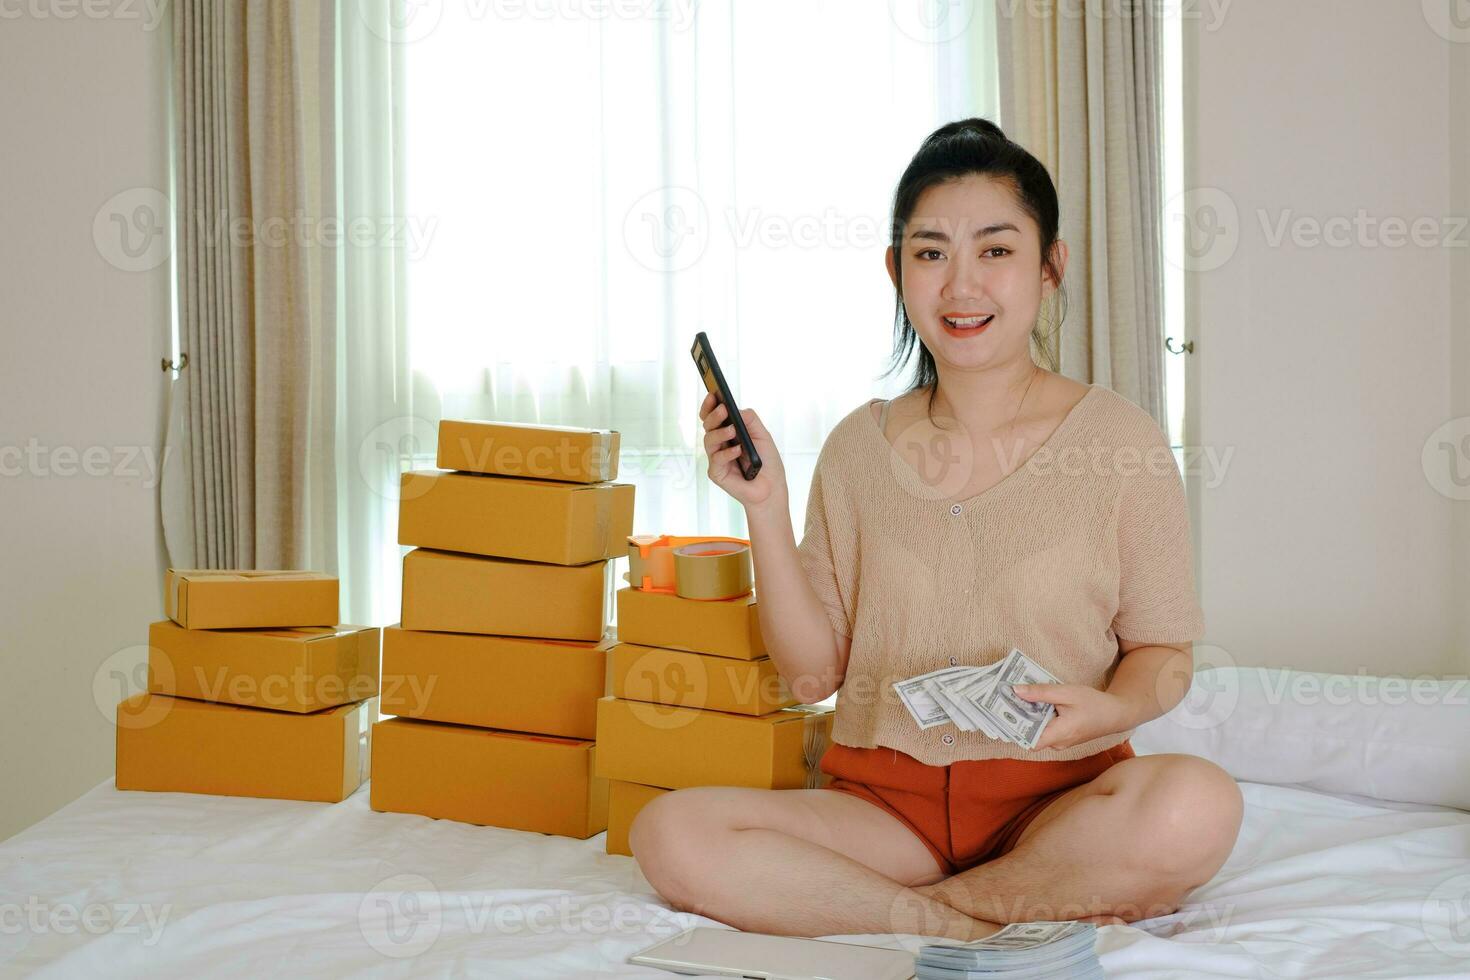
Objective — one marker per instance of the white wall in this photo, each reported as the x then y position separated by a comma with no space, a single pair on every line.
83,118
1460,337
1325,369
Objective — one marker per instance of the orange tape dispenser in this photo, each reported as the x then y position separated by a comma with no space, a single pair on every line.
691,567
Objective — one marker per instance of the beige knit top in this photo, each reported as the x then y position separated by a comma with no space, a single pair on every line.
1085,542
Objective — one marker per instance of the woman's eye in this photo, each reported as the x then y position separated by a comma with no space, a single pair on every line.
997,248
924,252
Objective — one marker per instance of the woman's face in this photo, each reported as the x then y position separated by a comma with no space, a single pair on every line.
969,251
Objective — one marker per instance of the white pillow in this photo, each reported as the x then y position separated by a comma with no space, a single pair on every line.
1391,738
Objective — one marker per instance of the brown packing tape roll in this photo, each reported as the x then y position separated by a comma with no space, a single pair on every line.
712,570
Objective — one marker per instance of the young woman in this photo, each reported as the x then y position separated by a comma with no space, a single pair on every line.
996,504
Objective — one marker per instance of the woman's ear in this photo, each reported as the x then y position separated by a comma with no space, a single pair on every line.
889,260
1059,263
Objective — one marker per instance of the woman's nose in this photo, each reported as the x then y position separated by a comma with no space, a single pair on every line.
965,281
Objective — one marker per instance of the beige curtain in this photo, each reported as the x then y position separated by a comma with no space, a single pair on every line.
1079,89
253,97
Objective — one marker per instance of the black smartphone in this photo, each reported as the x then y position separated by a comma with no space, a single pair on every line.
714,380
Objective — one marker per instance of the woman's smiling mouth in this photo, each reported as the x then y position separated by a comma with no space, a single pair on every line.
966,324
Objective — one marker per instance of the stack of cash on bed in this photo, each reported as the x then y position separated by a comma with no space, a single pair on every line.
1021,949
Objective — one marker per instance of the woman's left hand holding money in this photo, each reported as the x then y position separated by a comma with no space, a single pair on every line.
1082,713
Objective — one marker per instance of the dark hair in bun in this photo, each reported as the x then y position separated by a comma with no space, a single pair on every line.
955,150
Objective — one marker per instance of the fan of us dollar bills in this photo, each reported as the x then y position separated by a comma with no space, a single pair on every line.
981,699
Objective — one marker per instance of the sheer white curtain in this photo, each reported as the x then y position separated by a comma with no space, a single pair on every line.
379,430
590,191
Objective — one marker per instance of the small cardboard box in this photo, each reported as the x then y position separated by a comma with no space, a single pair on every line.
208,599
539,783
179,745
533,520
302,669
698,680
723,627
464,594
675,747
624,800
548,687
545,452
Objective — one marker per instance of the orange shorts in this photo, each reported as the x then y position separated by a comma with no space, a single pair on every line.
970,811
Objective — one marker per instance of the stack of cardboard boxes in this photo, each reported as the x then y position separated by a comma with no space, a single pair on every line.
500,655
252,691
514,705
697,702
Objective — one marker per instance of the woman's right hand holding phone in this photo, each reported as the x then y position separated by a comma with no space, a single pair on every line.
769,486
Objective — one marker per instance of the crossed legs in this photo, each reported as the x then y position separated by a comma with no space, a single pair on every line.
1130,844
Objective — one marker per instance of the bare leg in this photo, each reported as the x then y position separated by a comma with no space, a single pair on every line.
831,894
1130,844
793,863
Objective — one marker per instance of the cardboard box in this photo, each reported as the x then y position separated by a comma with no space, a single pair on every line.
548,687
698,680
624,800
303,669
205,599
464,594
179,745
674,747
533,520
539,783
545,452
723,627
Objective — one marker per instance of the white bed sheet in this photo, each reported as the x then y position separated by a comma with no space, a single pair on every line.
173,884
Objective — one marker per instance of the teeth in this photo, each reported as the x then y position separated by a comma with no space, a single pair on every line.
969,321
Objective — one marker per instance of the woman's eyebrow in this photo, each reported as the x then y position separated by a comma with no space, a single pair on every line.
939,236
